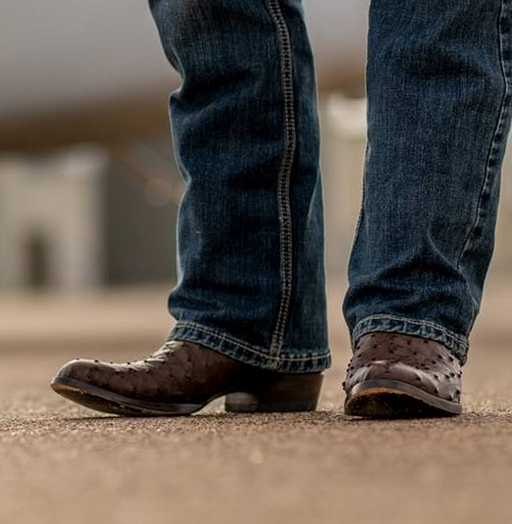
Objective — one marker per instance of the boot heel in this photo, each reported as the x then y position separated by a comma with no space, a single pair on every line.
284,393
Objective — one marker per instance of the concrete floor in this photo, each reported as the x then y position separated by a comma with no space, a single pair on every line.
64,464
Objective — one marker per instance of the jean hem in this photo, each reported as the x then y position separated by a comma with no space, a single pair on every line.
458,345
289,360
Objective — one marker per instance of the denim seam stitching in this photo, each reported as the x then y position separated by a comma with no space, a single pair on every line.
241,344
221,336
425,323
283,189
493,146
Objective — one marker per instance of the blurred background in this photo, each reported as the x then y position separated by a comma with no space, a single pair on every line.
88,184
88,198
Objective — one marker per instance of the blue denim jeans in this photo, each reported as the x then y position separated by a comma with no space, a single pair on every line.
250,228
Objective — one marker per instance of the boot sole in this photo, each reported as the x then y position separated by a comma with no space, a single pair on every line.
394,399
287,393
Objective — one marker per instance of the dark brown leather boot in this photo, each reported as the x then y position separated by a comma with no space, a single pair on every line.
180,379
393,376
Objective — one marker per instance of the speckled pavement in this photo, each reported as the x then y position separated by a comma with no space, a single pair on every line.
64,464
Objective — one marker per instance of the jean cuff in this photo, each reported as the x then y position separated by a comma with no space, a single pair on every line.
289,360
458,345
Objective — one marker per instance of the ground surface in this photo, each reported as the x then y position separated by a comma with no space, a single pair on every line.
63,464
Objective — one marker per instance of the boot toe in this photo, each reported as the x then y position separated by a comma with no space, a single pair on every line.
86,371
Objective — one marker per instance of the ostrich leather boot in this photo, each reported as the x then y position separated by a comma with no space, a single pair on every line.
392,375
180,379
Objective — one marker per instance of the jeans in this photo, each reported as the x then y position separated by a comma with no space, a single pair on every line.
250,228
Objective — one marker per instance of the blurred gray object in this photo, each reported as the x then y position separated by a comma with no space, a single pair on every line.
94,71
85,217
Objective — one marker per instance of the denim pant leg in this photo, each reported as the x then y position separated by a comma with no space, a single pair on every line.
250,229
439,87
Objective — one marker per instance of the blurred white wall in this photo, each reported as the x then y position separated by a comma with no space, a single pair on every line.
50,224
343,143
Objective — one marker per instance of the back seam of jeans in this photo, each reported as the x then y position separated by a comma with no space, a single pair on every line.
498,131
283,185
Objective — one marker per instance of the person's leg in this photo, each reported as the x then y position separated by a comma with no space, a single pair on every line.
250,230
439,87
251,286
